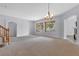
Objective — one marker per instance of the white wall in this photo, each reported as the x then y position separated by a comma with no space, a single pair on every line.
23,26
2,20
69,25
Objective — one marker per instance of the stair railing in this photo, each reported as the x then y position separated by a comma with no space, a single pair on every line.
4,34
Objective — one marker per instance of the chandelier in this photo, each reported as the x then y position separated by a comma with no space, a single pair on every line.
49,17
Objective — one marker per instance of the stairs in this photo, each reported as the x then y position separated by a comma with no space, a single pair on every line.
4,34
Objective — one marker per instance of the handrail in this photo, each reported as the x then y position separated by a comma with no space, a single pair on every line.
4,33
4,27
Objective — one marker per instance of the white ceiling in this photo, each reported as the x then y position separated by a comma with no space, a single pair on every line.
34,11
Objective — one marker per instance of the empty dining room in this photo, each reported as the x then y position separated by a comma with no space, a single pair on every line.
39,29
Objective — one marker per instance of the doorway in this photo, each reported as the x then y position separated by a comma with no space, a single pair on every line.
70,24
13,29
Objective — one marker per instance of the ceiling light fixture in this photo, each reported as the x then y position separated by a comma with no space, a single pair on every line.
49,16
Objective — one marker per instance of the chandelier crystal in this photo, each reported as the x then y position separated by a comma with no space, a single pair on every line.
49,16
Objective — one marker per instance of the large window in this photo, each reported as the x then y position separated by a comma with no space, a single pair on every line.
46,26
49,26
39,27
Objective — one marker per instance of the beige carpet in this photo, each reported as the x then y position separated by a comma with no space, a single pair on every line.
41,46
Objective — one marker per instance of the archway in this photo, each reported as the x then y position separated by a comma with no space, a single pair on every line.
69,26
13,29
